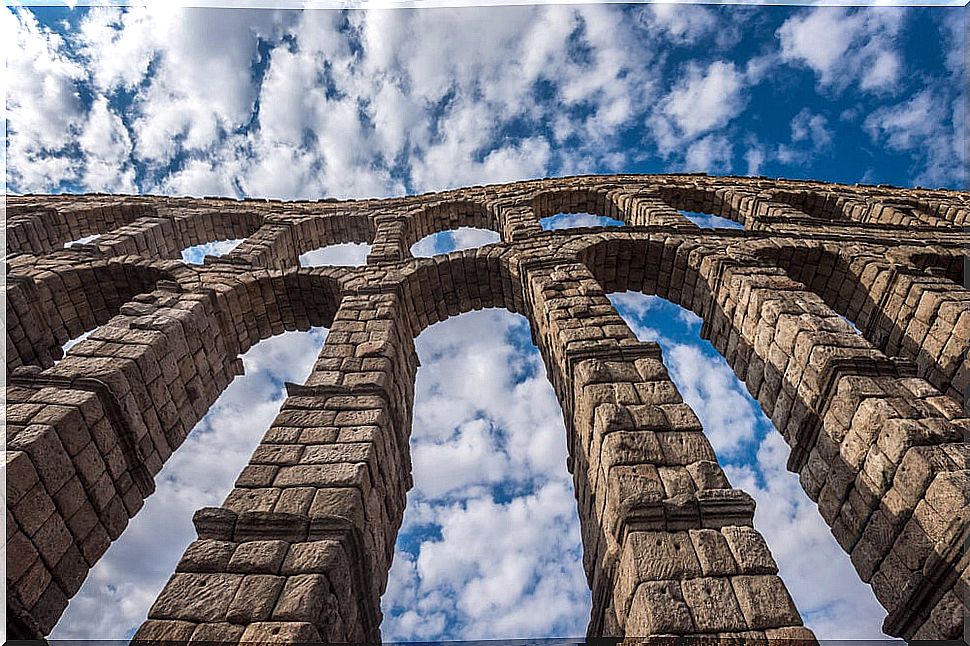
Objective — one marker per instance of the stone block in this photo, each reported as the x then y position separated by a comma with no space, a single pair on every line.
712,604
206,555
750,550
658,608
257,557
713,553
765,602
196,597
255,599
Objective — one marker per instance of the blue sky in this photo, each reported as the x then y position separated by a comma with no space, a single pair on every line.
288,104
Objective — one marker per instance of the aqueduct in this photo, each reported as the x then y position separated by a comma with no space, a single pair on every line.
875,411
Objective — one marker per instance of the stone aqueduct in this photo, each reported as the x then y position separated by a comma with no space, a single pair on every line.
300,549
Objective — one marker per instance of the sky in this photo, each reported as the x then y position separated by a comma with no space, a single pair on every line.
287,104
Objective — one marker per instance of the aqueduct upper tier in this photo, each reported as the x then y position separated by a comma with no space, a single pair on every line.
843,309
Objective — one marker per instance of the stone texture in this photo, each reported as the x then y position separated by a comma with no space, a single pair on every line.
300,548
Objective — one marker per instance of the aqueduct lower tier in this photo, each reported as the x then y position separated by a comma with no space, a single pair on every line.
300,549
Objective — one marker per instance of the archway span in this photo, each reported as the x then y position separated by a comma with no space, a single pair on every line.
198,474
897,307
491,521
578,200
447,216
50,304
723,203
179,350
753,455
820,384
460,239
437,288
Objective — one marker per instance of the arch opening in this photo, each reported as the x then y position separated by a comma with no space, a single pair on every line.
196,254
453,240
345,254
710,221
818,573
577,221
120,588
898,327
44,314
952,267
710,206
292,302
491,526
82,240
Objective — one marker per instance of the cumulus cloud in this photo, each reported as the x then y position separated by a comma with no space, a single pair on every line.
705,99
494,548
845,46
929,125
347,254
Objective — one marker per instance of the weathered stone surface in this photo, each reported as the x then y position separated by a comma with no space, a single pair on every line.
875,420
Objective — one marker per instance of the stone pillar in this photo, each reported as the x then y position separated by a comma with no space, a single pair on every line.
517,221
646,208
149,237
391,239
668,544
881,451
300,549
86,437
272,245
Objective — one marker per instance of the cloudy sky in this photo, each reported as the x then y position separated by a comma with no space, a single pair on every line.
310,104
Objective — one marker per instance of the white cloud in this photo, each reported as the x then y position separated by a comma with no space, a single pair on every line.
107,148
706,99
710,154
845,46
810,136
485,418
347,254
44,110
196,254
929,125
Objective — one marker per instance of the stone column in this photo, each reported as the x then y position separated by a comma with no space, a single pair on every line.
272,245
300,549
518,221
646,208
881,451
668,544
151,236
86,437
390,241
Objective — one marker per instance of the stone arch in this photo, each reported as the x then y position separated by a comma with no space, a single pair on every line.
595,201
120,404
37,230
280,241
935,261
899,308
823,205
54,302
447,216
434,289
726,203
826,390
